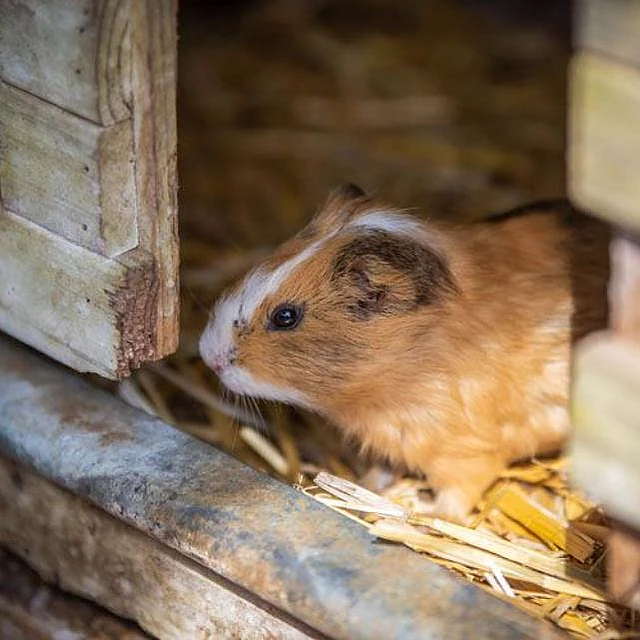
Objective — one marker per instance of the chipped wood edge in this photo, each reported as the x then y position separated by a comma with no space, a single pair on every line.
101,313
134,303
154,59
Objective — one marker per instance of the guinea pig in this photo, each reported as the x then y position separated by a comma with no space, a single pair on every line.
443,349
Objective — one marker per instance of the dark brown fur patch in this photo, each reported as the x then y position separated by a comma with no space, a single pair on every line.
350,191
388,275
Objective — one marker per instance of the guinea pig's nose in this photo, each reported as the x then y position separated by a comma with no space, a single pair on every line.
217,362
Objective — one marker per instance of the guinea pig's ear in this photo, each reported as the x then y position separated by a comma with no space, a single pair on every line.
349,191
340,207
379,273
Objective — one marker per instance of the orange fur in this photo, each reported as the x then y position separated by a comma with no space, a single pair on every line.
456,388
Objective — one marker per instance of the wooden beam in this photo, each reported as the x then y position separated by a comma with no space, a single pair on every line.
154,60
85,551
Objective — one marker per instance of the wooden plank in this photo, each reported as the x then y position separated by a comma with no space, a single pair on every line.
611,28
624,287
623,566
74,305
251,530
604,138
33,610
67,174
135,54
73,53
606,416
154,55
93,555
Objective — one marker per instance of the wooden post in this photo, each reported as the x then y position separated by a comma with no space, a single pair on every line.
604,164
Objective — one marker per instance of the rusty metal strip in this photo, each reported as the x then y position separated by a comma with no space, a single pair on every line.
243,525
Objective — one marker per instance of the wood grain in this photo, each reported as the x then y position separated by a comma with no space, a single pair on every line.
610,28
604,138
89,553
154,42
68,175
74,54
88,154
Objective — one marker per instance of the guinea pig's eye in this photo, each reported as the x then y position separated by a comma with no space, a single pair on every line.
285,317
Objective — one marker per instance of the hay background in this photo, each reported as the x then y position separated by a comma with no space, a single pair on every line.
453,106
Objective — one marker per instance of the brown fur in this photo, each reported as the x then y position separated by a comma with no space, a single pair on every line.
459,385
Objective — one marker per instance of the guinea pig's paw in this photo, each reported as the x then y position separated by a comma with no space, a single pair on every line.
378,478
449,504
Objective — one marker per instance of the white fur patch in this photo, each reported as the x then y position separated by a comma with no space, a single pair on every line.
217,340
259,284
556,374
557,417
242,382
389,221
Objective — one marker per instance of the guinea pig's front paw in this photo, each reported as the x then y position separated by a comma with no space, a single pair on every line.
378,478
449,504
459,484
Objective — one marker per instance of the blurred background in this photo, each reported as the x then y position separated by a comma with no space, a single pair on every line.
456,107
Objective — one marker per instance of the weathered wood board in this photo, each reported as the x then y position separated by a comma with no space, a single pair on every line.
88,160
87,552
610,27
604,138
73,53
53,296
606,415
71,176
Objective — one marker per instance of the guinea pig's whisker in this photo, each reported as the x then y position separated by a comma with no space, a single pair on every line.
257,412
252,408
238,401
